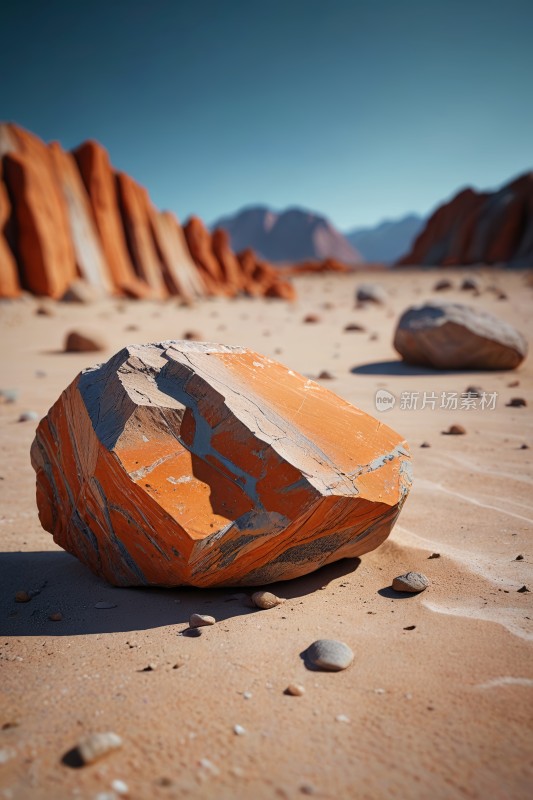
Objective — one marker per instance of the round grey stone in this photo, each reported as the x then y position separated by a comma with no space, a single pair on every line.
410,582
329,654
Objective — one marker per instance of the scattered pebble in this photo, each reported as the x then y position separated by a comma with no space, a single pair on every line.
193,336
329,654
22,597
434,555
307,788
353,326
199,620
83,342
410,628
97,745
523,589
208,766
148,668
57,616
524,447
342,718
119,786
9,395
516,402
28,416
325,376
311,318
513,384
410,582
442,285
519,557
105,604
44,311
238,730
425,444
247,695
265,600
469,284
455,430
295,689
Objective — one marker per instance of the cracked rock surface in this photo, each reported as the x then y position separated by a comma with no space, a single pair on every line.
188,463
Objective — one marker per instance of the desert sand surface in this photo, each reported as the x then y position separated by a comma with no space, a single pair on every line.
439,699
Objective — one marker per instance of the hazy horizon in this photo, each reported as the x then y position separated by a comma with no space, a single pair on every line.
362,112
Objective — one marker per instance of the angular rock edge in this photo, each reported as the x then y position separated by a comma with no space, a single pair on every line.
188,463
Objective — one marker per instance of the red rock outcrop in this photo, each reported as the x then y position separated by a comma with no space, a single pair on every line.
327,265
42,230
99,179
200,247
193,463
68,218
90,259
136,210
479,228
9,280
262,279
180,272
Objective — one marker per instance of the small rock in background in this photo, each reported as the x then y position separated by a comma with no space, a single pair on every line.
80,341
342,718
295,690
425,444
200,620
523,589
329,654
265,600
519,557
82,292
455,430
469,284
44,311
193,336
28,416
524,447
325,376
434,555
22,597
238,730
9,395
516,402
370,293
513,384
97,745
353,326
311,318
442,285
57,616
412,582
120,787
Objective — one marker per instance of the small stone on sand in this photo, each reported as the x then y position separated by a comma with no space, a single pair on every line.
83,342
329,654
239,730
413,582
434,555
295,689
311,318
455,430
97,745
425,444
199,620
516,402
523,589
57,616
22,597
265,600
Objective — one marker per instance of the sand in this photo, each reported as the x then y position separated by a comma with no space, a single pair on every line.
441,710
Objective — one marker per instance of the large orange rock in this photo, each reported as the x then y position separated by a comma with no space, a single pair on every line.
99,179
193,463
231,269
136,209
180,271
262,279
9,280
43,239
90,257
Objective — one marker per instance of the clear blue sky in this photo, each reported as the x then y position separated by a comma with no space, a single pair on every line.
360,110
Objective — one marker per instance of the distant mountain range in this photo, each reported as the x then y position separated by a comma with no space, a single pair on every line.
387,242
300,235
290,236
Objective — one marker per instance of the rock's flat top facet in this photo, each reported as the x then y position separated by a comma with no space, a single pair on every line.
189,462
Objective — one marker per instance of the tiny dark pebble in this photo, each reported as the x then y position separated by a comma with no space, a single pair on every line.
519,557
425,444
325,376
410,628
22,597
434,555
516,402
311,318
523,589
455,430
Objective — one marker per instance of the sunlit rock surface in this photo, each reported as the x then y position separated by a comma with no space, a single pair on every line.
194,463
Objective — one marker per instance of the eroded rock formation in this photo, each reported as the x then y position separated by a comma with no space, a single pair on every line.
193,463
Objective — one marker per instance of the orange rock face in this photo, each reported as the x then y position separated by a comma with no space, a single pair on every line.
136,210
9,281
191,463
198,241
480,228
43,240
99,180
231,269
180,272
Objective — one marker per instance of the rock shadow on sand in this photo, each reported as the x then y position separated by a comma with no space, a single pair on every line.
402,368
59,583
